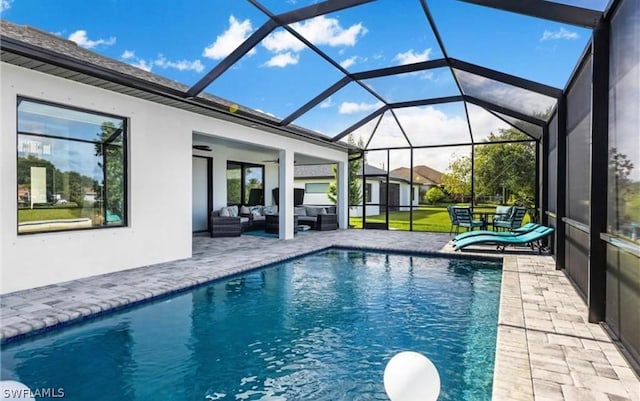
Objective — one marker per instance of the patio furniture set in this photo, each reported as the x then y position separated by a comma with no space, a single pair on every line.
232,221
507,228
504,218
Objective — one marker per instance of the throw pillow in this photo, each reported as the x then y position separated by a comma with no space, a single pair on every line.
233,211
224,212
257,210
299,211
312,211
322,211
245,210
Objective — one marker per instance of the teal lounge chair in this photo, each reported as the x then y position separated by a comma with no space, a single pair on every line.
531,238
518,231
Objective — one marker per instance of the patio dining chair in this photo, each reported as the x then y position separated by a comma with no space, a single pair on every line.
514,221
503,212
454,220
465,218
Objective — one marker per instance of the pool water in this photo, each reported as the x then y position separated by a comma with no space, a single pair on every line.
321,327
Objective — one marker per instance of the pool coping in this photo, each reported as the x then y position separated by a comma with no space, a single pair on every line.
545,349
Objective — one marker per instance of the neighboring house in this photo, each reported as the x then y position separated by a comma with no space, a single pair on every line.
424,176
315,180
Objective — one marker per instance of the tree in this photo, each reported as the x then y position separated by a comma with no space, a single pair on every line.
355,187
506,168
111,148
434,195
624,194
457,180
499,169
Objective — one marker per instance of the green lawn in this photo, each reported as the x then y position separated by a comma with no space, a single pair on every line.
58,213
425,218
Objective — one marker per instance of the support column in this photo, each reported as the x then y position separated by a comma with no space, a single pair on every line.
561,183
342,206
597,295
544,179
285,201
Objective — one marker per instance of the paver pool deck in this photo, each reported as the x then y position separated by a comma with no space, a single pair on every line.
546,350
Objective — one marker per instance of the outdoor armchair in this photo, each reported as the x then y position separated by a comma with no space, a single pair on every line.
503,212
225,226
454,220
465,218
514,221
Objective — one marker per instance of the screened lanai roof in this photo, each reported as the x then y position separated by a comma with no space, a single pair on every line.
393,74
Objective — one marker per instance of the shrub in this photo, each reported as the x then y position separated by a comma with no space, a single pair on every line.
434,195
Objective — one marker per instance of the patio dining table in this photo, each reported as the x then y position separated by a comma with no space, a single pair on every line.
487,217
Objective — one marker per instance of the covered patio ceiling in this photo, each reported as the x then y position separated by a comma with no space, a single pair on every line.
392,106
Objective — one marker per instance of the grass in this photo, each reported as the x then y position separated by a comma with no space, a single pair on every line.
58,213
425,218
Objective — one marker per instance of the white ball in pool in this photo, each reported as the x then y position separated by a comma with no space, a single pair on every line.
14,391
411,376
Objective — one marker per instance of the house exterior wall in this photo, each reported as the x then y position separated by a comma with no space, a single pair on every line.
159,184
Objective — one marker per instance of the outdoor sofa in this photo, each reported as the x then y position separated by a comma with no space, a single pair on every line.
316,217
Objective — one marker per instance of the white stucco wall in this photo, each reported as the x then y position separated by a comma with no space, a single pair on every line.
160,152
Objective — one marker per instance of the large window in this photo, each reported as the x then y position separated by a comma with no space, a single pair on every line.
624,119
245,184
316,187
71,168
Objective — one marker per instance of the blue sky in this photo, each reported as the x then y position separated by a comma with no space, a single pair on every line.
183,40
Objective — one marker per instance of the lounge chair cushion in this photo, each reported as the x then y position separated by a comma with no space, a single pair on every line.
523,239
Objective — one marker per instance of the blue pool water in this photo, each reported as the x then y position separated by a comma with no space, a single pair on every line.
320,327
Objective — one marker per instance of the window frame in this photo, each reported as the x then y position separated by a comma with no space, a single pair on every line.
125,160
243,166
368,197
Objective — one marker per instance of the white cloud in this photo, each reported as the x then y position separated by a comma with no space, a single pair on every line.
411,56
182,65
162,62
426,125
353,107
328,102
484,123
282,41
229,40
80,37
5,5
282,60
522,100
327,31
319,31
348,62
128,54
142,64
559,34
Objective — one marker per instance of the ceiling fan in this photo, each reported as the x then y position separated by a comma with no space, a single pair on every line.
275,161
206,148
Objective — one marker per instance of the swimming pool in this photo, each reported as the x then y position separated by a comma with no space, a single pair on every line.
321,327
